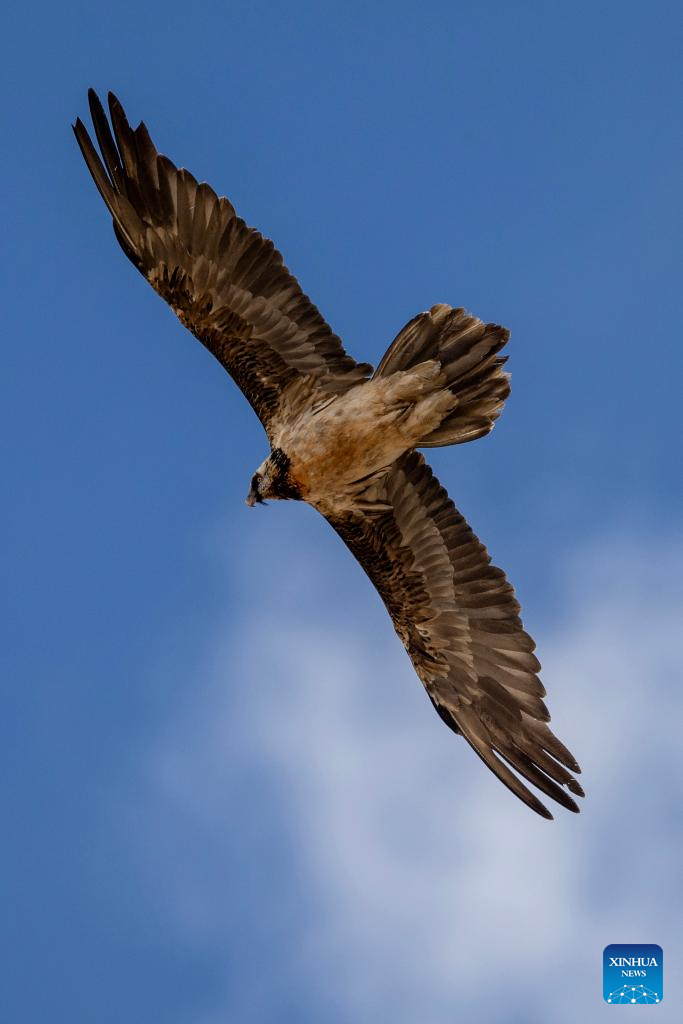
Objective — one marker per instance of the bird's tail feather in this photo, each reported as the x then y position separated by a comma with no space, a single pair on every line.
467,350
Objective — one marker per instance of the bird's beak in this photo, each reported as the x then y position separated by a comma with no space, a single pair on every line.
254,498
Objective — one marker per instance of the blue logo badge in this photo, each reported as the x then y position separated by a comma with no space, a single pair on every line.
632,974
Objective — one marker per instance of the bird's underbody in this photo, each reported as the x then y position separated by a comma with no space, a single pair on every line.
345,440
337,447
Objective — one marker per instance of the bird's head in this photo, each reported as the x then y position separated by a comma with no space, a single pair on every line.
272,480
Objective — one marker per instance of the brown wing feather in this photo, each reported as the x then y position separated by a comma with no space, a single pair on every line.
459,621
225,282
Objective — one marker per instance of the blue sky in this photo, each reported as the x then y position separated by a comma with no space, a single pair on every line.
226,796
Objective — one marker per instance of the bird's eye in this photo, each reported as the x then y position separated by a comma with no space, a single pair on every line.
255,481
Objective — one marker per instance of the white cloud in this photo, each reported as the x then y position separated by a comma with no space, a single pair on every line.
432,892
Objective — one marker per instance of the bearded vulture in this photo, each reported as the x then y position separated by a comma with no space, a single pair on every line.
344,439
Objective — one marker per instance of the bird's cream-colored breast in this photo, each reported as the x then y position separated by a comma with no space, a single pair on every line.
346,439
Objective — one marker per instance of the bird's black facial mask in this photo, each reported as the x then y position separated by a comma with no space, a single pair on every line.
254,498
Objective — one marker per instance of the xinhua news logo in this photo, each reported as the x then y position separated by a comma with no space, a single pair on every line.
632,974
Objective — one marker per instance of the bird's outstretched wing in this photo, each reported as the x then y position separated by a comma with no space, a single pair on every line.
224,280
459,621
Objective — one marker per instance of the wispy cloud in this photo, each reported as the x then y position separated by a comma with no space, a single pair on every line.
425,890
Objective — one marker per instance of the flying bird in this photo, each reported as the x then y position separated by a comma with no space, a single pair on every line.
344,439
